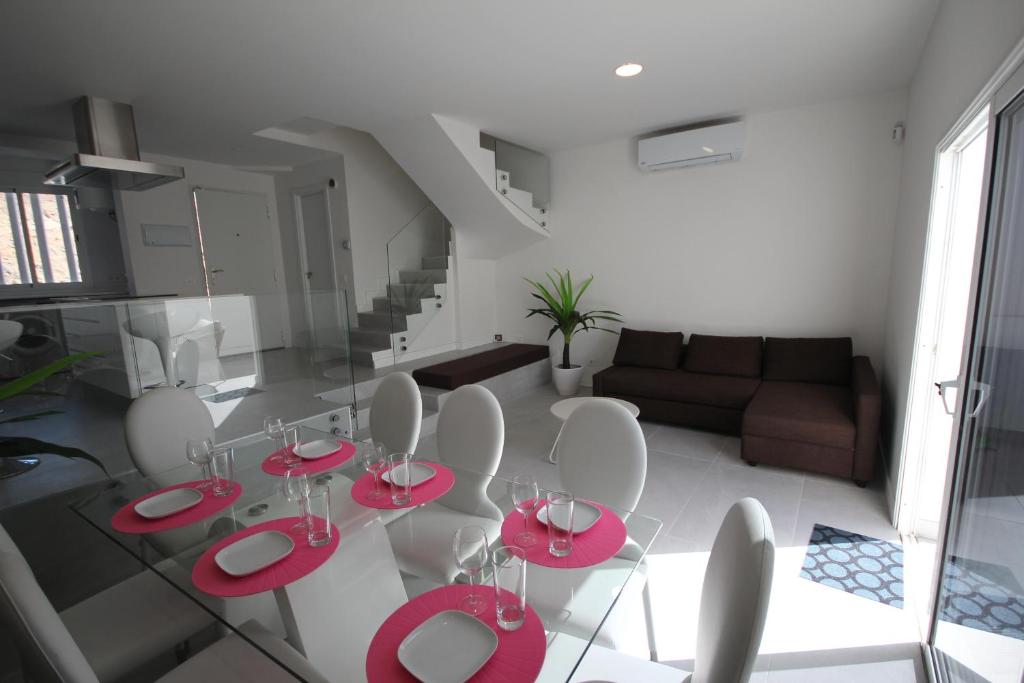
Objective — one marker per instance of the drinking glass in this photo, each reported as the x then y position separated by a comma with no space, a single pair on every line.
375,462
470,548
318,521
400,476
273,427
560,504
525,496
296,488
198,452
291,442
509,586
222,470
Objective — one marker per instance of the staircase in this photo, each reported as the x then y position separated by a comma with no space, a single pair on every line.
414,295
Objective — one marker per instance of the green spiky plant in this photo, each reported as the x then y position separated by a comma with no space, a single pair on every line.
22,446
560,304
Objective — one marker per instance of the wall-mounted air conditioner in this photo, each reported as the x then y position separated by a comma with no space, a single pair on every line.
694,147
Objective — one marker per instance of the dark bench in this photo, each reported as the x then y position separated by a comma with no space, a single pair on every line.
478,367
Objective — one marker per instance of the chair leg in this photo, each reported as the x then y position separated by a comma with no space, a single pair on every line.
649,617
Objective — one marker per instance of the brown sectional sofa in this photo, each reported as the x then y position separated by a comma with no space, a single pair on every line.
804,403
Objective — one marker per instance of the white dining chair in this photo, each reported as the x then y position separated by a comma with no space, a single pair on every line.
602,456
733,609
470,436
157,426
122,628
101,638
396,413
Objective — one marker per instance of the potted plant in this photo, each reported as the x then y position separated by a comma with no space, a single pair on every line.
18,453
560,307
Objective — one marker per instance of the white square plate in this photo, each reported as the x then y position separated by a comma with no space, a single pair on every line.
169,502
254,553
584,516
449,647
314,450
418,471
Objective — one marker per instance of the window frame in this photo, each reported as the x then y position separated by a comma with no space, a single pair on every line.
20,290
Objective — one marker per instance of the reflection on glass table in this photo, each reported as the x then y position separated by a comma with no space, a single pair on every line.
330,601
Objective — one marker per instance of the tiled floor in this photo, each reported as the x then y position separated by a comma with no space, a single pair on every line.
814,633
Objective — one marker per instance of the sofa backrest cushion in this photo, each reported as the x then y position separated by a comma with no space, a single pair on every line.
820,361
644,349
737,356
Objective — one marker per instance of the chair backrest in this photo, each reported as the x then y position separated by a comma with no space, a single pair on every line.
735,596
47,651
602,455
159,423
471,435
396,413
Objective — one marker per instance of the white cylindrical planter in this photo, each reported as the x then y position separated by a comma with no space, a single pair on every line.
567,380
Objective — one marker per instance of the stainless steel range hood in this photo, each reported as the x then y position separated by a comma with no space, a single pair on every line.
108,152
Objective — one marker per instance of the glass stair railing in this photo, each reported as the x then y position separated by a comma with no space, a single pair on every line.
419,269
522,176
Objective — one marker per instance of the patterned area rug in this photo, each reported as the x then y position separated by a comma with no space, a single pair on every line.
983,596
864,566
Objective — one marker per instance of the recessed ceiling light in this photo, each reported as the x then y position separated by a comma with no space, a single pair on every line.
708,149
629,69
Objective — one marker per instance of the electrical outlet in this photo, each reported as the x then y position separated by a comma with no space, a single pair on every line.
497,337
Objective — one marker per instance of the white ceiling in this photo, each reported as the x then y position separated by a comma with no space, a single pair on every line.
204,75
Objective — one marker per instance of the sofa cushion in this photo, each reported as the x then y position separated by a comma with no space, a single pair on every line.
823,361
710,355
643,349
797,411
722,391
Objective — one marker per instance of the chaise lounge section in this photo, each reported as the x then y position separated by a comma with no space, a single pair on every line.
808,404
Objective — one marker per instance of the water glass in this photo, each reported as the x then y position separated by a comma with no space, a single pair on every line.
318,521
198,451
222,470
400,475
374,461
296,487
525,496
470,549
273,427
291,442
560,505
510,586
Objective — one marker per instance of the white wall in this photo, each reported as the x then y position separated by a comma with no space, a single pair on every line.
968,41
177,270
794,239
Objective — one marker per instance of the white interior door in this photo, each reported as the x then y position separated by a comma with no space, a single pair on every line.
238,255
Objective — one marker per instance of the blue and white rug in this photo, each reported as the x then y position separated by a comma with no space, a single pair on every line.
864,566
982,596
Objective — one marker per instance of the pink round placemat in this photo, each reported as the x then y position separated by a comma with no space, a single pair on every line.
441,484
520,653
593,546
128,521
346,449
210,578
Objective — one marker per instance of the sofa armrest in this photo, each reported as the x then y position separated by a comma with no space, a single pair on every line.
598,381
867,415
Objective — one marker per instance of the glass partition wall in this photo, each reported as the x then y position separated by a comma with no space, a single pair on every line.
211,346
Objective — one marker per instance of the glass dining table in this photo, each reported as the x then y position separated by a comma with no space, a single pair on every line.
332,613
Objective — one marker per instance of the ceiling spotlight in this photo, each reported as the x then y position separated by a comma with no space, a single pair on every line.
629,69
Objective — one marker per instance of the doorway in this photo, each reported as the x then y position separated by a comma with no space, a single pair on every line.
945,299
325,309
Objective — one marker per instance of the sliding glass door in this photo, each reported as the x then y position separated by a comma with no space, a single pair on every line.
978,621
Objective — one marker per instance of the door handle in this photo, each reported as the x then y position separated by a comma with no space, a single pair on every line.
942,386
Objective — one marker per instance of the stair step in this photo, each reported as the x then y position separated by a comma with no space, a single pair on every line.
383,304
380,320
434,275
367,337
408,292
435,262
